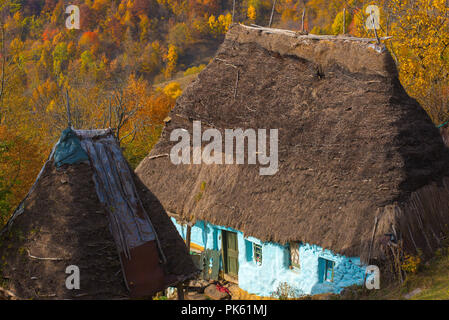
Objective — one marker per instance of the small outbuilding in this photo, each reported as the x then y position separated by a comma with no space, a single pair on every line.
89,229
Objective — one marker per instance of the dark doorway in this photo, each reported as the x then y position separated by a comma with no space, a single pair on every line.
230,253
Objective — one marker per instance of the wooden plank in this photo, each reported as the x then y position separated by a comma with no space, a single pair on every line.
188,236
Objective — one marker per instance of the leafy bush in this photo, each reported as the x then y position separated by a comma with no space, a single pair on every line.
284,292
173,90
411,263
194,70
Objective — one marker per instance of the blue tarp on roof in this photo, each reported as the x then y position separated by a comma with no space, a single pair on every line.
69,150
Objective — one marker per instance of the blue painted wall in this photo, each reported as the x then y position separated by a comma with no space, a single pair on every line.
263,280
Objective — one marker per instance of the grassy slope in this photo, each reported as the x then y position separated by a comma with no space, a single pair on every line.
432,279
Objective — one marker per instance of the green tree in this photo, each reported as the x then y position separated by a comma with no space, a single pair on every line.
337,26
60,58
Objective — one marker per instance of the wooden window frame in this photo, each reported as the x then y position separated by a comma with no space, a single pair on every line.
257,251
293,264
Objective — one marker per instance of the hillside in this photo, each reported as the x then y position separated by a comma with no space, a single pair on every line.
129,61
110,68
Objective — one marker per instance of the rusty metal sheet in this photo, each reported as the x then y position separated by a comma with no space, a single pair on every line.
143,271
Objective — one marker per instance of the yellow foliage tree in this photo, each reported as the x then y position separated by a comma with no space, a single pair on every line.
142,130
251,13
421,40
173,90
419,45
337,26
172,60
21,158
221,25
144,25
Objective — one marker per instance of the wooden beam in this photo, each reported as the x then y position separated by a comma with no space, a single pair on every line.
188,236
311,36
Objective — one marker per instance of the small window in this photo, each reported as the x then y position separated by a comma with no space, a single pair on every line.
249,254
294,255
329,270
257,251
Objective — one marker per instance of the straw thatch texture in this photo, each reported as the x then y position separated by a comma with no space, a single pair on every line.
62,222
352,145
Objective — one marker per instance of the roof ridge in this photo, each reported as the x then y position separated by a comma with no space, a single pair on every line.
300,35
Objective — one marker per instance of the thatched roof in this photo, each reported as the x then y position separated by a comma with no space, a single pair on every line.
63,222
352,146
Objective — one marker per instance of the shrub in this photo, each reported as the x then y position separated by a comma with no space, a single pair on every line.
284,292
173,90
194,70
411,263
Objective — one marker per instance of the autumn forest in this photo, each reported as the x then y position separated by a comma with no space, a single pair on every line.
129,61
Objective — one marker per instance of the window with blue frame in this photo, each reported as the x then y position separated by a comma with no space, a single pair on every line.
329,270
326,270
249,251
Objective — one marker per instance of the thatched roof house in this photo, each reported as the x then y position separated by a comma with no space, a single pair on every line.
88,209
353,146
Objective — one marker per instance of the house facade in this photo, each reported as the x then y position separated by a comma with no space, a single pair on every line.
353,165
260,268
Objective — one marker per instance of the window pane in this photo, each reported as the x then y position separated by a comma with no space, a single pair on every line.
257,253
329,271
294,254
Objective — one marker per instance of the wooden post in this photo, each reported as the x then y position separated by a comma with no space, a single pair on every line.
110,113
69,116
272,12
180,286
376,221
188,235
344,20
180,290
375,31
302,19
233,10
